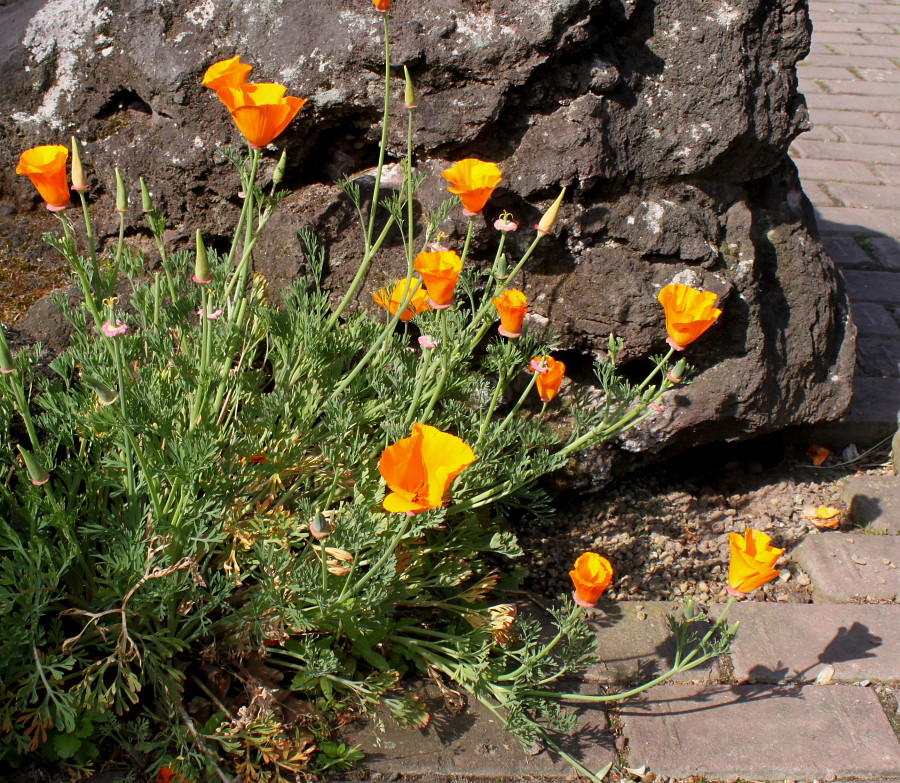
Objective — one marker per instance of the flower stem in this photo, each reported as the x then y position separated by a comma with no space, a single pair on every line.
373,208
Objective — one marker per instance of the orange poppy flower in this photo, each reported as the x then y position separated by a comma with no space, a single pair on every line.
419,469
550,374
511,306
440,270
382,5
689,313
46,168
226,73
591,575
751,561
261,111
390,301
818,454
473,181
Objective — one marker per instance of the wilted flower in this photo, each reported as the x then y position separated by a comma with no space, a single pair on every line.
114,328
260,111
440,272
419,469
511,305
751,563
473,181
505,223
427,341
689,313
46,168
550,374
212,315
591,575
392,300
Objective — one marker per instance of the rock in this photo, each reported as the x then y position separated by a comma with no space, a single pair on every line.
668,122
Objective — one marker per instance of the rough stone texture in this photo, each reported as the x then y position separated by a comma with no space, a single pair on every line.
667,121
874,502
475,744
635,643
761,733
794,642
846,567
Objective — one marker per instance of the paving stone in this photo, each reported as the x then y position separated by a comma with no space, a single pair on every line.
779,643
874,502
892,120
855,195
835,171
475,744
887,249
878,357
879,75
852,102
846,252
870,135
874,408
838,150
873,320
760,732
872,286
852,27
857,118
858,87
635,643
839,60
858,220
845,567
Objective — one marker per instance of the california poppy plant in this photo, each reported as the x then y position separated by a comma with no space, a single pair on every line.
226,73
511,306
550,374
689,313
473,181
391,300
419,469
382,5
260,111
440,270
591,575
46,168
752,561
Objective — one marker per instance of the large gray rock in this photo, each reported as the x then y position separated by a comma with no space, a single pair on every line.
669,122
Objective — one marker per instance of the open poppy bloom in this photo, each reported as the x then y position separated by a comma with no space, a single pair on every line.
226,73
511,306
689,313
382,5
440,270
550,374
46,168
473,181
392,300
591,575
260,111
751,563
419,469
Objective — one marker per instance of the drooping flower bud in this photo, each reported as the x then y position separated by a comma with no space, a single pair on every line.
105,395
676,374
546,222
319,527
36,471
78,182
146,203
278,174
409,91
201,275
121,194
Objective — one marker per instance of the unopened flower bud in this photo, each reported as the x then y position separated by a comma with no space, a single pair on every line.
409,92
201,275
146,203
78,182
549,218
278,174
677,372
121,195
7,365
319,527
105,395
36,471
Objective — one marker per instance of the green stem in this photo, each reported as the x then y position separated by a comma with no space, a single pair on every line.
347,592
86,287
384,131
89,231
421,373
495,397
515,408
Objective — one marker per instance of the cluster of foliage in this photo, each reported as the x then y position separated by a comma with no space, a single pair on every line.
200,563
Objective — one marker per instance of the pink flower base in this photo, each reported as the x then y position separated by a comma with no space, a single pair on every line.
578,601
674,345
511,335
734,593
435,306
51,208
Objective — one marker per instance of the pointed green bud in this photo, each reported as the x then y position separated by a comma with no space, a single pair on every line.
319,527
146,203
201,265
105,395
7,365
78,182
677,372
121,195
36,471
409,92
546,223
278,174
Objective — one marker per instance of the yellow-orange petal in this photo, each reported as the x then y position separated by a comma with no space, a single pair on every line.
381,5
260,111
752,560
226,73
591,576
45,166
689,312
391,300
511,306
473,181
548,382
440,272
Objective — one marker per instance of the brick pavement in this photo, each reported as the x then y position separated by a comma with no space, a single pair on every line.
849,164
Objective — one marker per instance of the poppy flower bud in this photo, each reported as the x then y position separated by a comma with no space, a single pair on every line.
382,5
146,203
121,195
676,374
105,395
78,182
319,528
201,274
409,92
549,218
36,471
7,365
278,174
